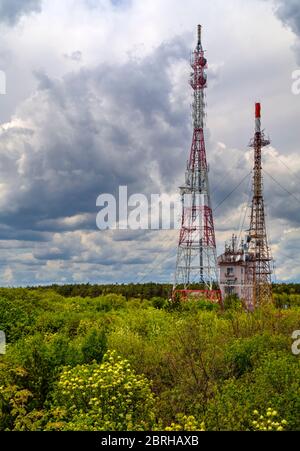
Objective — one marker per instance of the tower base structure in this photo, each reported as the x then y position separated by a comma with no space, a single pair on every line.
214,296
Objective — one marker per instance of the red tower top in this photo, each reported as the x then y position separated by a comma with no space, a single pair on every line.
257,111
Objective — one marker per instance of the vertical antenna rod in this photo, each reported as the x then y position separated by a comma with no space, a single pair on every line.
199,36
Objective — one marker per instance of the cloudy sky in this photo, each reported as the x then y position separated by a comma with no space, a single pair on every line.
97,96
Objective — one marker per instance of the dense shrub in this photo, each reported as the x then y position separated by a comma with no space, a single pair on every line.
106,397
94,346
212,366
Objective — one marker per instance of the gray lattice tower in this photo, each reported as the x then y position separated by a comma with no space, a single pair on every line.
259,270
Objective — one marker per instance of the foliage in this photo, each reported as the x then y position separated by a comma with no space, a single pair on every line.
94,346
106,397
213,366
185,423
269,422
232,302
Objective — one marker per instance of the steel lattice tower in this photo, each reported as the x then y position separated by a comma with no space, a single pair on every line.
196,257
259,264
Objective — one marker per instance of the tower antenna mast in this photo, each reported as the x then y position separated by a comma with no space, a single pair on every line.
259,267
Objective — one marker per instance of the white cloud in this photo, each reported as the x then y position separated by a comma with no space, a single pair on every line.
8,276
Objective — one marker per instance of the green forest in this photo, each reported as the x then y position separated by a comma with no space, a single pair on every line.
125,358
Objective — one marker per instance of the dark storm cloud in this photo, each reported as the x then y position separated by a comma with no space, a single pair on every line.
53,254
16,233
283,197
88,134
11,11
132,235
288,11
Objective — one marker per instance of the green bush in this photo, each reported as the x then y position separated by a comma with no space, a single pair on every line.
94,346
106,397
158,303
211,365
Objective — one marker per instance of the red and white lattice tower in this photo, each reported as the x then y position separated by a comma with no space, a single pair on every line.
196,258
